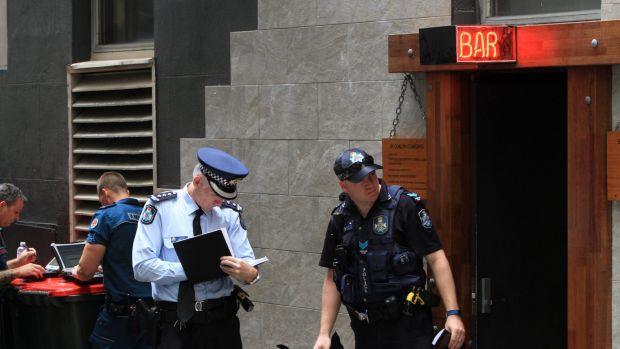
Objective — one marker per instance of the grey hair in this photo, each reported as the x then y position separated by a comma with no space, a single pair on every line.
11,193
197,171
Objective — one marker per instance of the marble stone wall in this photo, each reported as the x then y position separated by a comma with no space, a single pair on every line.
309,83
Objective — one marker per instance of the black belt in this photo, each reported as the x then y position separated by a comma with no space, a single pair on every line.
390,309
207,304
206,311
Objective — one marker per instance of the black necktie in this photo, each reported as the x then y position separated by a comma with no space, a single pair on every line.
186,296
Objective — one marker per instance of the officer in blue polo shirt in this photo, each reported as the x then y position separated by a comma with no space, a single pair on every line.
203,314
110,236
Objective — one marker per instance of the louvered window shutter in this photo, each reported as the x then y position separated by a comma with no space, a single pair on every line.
111,128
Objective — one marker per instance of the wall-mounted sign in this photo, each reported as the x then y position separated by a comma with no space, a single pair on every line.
486,44
468,44
405,164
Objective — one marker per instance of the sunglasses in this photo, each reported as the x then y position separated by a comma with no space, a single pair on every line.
355,167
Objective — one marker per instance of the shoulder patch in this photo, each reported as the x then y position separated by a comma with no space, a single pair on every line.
148,215
94,223
166,195
425,219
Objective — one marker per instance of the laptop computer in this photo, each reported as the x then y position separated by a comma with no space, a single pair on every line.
68,256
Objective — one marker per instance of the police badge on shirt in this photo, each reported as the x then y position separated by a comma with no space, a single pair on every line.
380,224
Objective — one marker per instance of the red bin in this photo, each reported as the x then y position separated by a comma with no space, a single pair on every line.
54,313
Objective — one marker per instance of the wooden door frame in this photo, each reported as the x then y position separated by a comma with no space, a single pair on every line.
448,97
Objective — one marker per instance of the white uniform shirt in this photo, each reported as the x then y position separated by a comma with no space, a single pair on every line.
154,257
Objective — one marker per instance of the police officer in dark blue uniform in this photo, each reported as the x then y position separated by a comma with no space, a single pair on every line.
110,238
373,250
196,313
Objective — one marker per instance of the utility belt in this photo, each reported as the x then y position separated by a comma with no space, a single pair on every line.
124,307
127,308
205,311
394,307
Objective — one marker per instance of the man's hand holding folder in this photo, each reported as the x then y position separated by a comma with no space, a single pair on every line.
238,268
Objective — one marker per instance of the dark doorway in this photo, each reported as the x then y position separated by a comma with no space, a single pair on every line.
520,209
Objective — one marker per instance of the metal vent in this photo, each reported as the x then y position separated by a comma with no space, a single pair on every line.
111,128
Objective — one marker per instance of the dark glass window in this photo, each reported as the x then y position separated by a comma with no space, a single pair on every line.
124,22
536,7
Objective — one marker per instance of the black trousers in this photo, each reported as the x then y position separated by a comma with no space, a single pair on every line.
220,334
406,332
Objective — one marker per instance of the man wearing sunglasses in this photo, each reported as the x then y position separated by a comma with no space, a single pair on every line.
373,251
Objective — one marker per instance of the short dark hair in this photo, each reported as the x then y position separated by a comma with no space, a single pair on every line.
112,180
11,193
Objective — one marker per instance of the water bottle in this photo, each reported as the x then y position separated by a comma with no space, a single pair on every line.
22,247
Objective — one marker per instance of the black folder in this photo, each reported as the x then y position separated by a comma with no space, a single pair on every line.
200,255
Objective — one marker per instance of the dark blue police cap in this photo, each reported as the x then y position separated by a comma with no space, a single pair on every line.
354,164
223,171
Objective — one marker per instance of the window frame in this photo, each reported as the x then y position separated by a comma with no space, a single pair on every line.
572,16
99,48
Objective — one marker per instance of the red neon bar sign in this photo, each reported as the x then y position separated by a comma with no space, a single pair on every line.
485,44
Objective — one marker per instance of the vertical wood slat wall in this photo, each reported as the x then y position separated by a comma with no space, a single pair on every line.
449,178
111,126
589,211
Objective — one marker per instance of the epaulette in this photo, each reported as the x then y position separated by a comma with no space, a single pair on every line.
414,196
166,195
417,198
235,207
232,205
338,210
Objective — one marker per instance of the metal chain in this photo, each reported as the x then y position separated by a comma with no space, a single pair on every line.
403,88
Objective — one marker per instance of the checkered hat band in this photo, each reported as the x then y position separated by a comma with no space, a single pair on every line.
221,181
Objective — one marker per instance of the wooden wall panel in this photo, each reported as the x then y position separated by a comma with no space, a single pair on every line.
589,212
449,176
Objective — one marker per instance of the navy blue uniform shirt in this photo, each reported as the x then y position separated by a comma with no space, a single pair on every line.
115,227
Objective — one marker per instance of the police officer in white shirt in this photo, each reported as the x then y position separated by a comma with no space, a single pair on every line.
168,217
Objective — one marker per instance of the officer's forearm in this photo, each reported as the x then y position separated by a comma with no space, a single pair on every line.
330,304
443,278
83,273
